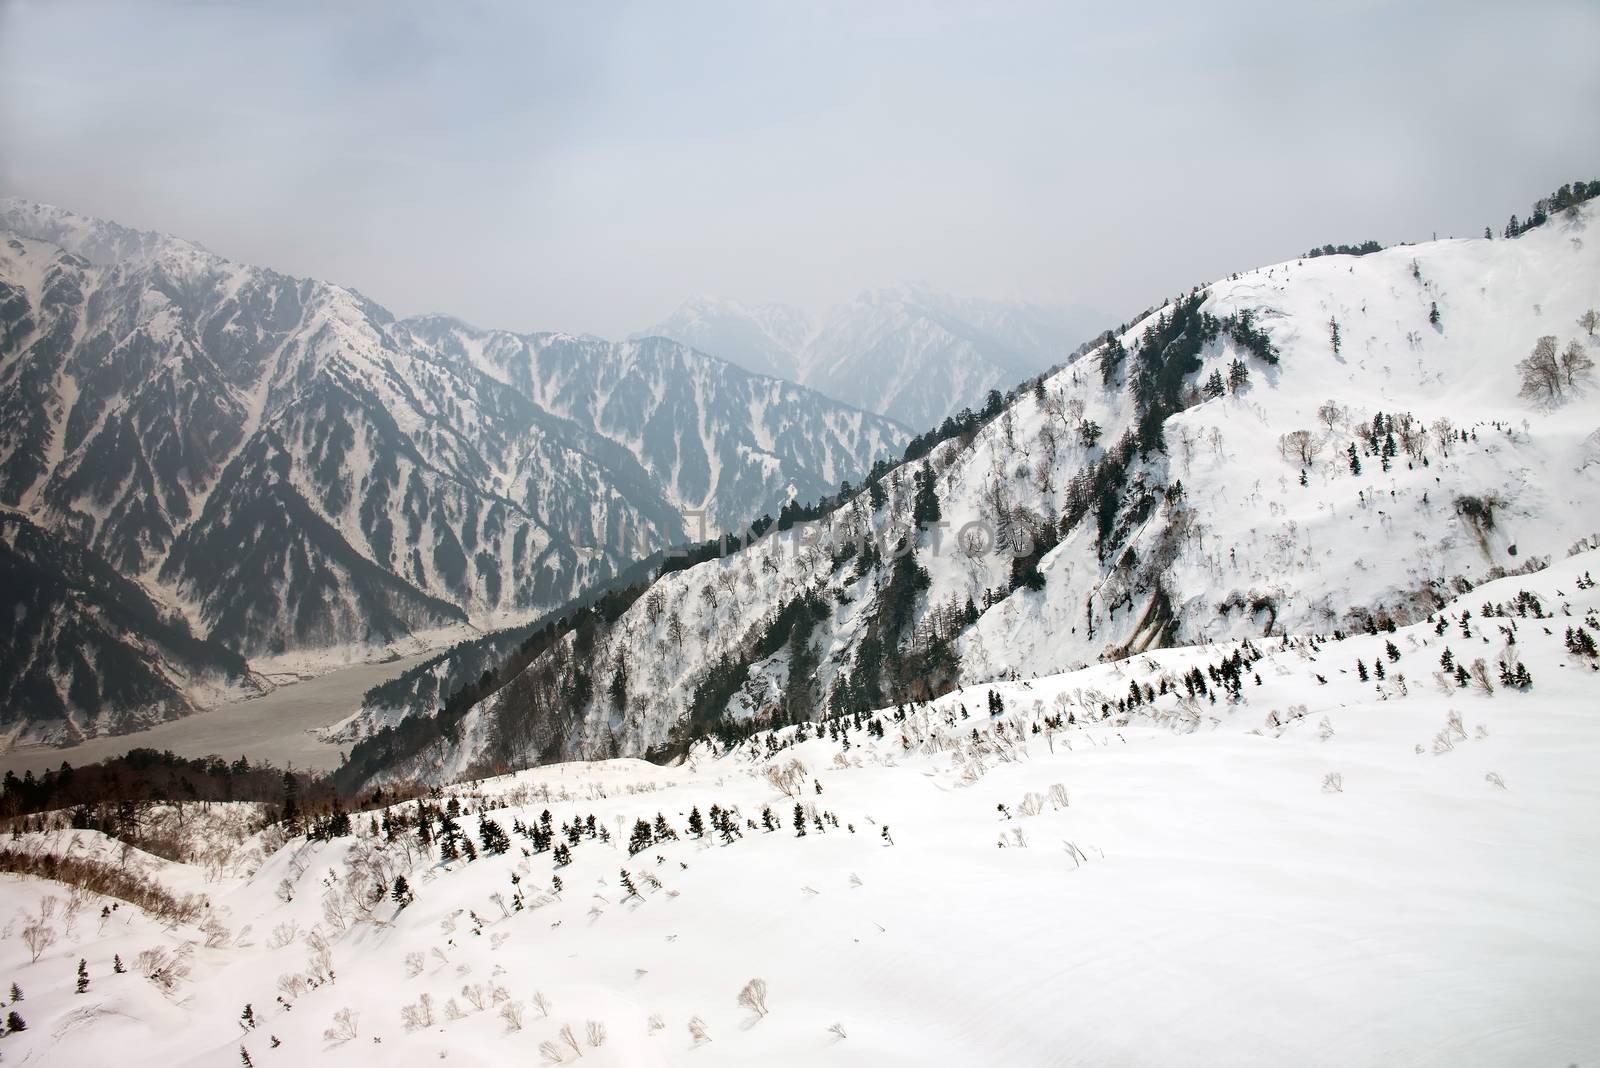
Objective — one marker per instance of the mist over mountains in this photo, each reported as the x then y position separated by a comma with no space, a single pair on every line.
906,352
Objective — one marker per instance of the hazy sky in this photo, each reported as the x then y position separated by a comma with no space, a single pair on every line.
586,165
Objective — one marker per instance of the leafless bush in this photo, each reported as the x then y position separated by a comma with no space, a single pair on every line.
754,996
319,957
107,879
292,985
1300,446
697,1030
788,779
655,1023
343,1029
1333,783
1330,414
837,1031
216,935
452,1011
566,1035
1494,779
1480,675
166,967
596,1033
414,964
511,1012
283,934
541,1003
38,934
419,1015
550,1052
477,996
1032,804
1058,796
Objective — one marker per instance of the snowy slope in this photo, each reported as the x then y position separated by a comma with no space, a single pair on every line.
1205,536
308,481
1316,870
907,352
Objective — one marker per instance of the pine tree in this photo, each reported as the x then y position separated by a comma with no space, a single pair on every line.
563,855
1392,651
291,803
1433,313
244,1057
641,840
1361,671
116,964
799,821
663,830
697,825
16,992
555,885
493,837
401,891
1446,659
1238,375
627,885
14,1021
1215,386
1355,461
83,976
468,850
1333,328
247,1018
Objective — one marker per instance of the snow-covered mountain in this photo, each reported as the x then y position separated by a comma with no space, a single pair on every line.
1264,849
295,476
1318,445
907,352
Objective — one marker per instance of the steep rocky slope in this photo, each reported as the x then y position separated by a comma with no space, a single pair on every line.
308,480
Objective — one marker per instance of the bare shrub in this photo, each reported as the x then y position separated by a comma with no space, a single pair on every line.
511,1012
837,1031
477,996
697,1030
216,935
654,1024
1480,675
596,1033
1300,446
319,957
343,1029
283,934
107,879
419,1015
163,966
550,1052
1058,796
754,996
414,964
1541,371
566,1035
788,779
541,1003
1494,778
1333,783
38,936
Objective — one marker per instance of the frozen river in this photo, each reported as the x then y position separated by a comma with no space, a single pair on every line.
274,727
